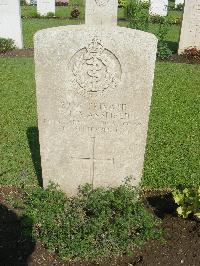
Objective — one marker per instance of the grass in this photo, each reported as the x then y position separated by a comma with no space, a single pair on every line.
173,148
31,26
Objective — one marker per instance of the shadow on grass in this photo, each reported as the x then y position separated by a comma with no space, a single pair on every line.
173,46
15,245
33,141
162,205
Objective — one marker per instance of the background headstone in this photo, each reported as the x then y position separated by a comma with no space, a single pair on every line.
158,7
101,12
45,6
190,31
178,2
10,21
94,86
28,2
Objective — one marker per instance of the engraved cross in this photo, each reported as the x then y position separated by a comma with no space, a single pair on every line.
93,159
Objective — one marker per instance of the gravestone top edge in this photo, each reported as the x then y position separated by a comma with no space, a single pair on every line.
40,34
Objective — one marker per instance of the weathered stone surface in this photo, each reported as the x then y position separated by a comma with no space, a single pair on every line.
94,88
190,31
158,7
178,2
101,12
10,21
45,6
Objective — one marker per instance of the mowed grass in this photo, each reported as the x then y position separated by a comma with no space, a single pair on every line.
32,25
173,149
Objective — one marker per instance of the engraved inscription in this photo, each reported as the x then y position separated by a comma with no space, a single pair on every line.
95,70
93,159
101,2
94,118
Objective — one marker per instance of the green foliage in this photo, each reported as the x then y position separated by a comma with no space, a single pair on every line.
157,19
163,49
188,200
137,17
75,13
121,3
145,4
179,7
50,15
174,20
97,223
6,45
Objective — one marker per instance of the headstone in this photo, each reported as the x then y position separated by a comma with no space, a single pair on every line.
178,2
28,2
190,31
45,6
10,21
94,86
158,7
101,12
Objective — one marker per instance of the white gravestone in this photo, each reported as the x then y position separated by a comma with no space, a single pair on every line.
101,12
190,30
28,2
94,86
45,6
10,21
158,7
178,2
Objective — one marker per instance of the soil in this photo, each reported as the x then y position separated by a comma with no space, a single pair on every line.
180,246
30,52
18,53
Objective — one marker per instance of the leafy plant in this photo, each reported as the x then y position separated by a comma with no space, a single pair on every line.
62,3
145,4
137,17
6,45
163,49
188,200
157,19
192,53
75,13
121,3
179,7
174,20
50,15
97,223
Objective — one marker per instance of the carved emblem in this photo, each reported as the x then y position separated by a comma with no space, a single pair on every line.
95,69
102,2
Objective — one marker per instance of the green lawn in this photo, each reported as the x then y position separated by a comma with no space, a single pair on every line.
32,25
173,150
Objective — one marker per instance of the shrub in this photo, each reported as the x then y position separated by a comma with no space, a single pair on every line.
188,200
121,3
157,19
136,16
50,15
97,223
163,51
179,7
175,20
6,45
75,13
62,3
192,53
145,4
